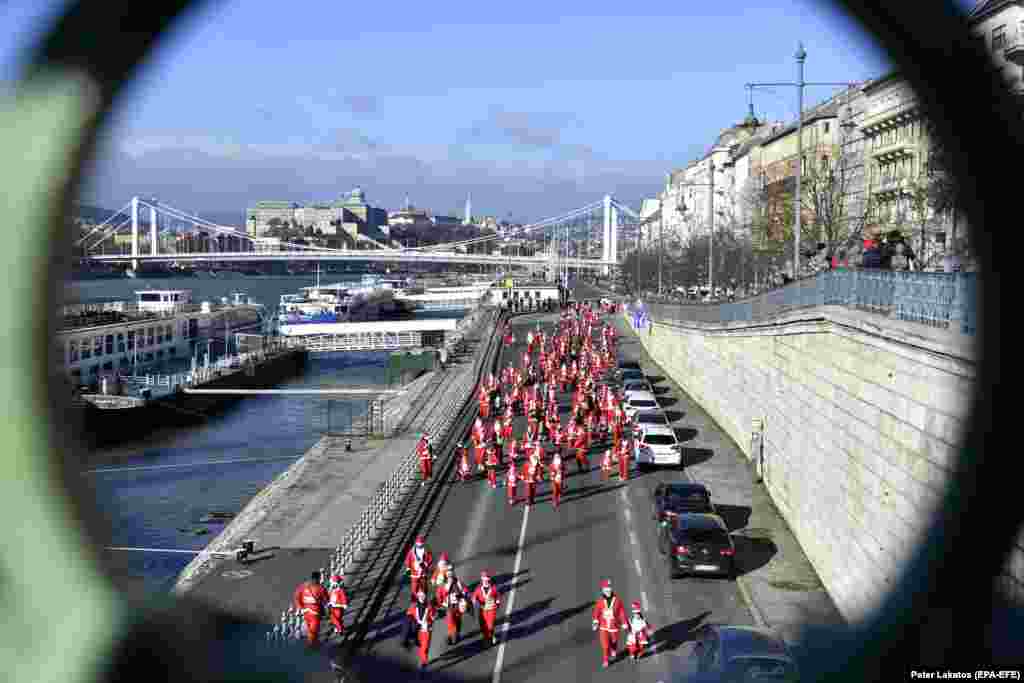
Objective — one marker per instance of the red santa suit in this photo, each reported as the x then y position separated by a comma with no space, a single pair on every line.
418,562
424,616
310,599
609,617
638,633
532,474
427,457
556,472
492,463
512,483
624,453
581,445
607,466
337,603
465,470
456,605
439,580
487,600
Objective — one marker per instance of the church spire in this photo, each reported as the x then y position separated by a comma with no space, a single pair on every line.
469,215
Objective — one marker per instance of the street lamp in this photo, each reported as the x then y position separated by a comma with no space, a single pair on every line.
681,207
801,57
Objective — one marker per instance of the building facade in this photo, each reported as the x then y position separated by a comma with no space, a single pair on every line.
351,215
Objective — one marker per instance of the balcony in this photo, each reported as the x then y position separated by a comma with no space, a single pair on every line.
1013,50
894,151
891,185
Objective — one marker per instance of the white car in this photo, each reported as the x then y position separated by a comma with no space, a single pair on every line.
641,400
657,445
645,418
632,387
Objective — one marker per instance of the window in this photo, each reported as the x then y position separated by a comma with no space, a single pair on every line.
826,126
150,336
86,349
110,344
999,37
168,333
149,297
109,365
73,350
120,342
97,346
131,339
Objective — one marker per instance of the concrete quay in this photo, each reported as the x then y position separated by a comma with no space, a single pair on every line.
300,518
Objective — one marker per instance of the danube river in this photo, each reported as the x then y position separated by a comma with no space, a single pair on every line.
155,491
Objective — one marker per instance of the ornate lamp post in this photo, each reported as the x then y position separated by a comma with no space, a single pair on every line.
681,207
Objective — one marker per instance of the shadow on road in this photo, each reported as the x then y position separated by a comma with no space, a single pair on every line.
654,379
671,637
588,491
509,550
735,516
684,434
658,391
752,552
553,619
695,456
667,401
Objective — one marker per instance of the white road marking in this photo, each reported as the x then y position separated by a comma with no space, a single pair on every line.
636,563
646,603
623,492
628,513
511,600
632,537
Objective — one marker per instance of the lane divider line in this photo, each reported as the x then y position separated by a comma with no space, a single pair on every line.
636,563
511,600
632,538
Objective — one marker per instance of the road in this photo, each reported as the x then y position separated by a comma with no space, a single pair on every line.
548,565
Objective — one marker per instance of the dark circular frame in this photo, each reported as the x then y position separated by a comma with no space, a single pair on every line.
928,42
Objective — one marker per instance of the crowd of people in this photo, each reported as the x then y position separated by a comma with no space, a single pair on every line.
575,360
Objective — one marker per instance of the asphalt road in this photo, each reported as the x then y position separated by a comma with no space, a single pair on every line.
549,563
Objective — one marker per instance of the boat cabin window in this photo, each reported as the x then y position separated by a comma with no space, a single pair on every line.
97,346
131,339
168,333
73,350
150,335
110,344
120,342
86,349
148,297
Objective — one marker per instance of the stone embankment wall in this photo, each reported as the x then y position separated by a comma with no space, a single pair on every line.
861,423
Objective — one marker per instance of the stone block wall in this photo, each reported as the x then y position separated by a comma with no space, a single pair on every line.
862,418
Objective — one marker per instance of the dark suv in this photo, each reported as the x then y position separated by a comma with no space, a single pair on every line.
677,497
697,544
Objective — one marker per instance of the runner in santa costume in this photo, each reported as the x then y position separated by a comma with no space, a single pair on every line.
485,403
337,603
486,598
532,473
512,483
639,633
607,466
427,458
418,562
492,463
465,471
457,597
609,617
421,616
556,472
438,580
625,451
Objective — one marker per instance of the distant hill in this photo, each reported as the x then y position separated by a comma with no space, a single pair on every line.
91,214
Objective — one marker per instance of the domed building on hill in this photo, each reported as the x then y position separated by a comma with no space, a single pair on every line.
346,221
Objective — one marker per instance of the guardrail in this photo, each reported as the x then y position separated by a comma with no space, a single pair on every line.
395,488
940,300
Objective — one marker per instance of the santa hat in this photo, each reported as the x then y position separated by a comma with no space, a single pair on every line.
444,559
337,580
636,605
484,576
606,584
419,540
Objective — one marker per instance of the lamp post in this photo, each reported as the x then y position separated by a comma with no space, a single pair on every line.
801,57
681,207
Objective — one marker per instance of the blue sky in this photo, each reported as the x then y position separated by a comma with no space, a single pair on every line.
533,108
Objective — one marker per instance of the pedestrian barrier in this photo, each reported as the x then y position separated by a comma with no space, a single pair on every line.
398,485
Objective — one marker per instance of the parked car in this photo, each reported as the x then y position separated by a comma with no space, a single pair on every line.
627,364
732,654
632,375
657,445
634,386
641,400
651,417
695,543
678,497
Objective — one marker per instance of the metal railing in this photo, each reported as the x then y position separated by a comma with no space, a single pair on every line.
941,300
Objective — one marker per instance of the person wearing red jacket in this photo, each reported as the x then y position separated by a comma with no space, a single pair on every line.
439,578
581,445
310,599
607,466
624,451
533,471
337,603
464,471
457,603
487,600
427,457
493,463
556,472
609,617
639,633
512,483
418,562
421,616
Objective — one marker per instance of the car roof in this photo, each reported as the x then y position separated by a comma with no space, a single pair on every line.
643,396
651,413
659,429
627,363
739,641
699,520
686,488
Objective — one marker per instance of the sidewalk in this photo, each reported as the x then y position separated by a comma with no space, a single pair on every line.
775,577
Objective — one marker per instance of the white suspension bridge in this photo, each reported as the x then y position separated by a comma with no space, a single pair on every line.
588,237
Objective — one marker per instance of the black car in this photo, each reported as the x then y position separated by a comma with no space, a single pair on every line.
673,498
697,543
625,364
731,654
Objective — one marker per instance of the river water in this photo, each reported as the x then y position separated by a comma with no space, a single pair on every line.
156,490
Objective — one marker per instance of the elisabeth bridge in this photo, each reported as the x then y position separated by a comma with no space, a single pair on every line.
590,237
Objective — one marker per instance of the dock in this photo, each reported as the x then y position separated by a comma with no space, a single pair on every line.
383,335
